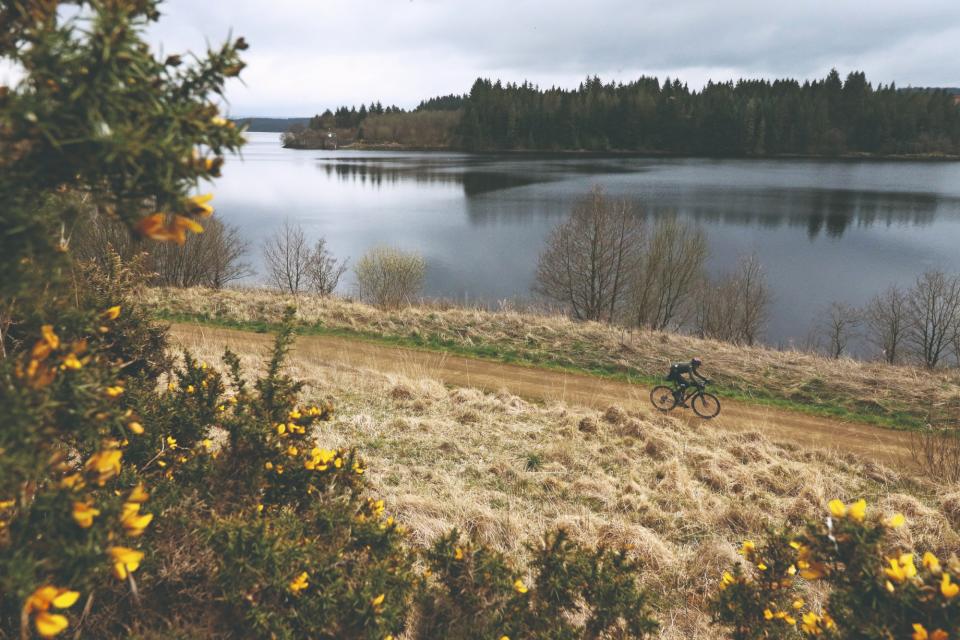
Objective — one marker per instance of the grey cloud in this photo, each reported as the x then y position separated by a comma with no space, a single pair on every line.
309,54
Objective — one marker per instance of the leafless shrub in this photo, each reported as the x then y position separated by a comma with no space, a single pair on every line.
324,270
933,308
589,258
838,325
937,452
736,307
210,259
887,322
671,270
287,257
389,278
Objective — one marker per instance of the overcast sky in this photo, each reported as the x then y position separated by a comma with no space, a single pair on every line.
307,55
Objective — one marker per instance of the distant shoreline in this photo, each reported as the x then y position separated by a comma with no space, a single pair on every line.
615,153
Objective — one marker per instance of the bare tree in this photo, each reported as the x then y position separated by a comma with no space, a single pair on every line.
210,259
934,316
389,278
670,271
213,258
287,257
838,326
324,270
589,258
887,322
736,307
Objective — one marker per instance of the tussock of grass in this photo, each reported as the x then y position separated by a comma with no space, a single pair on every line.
891,396
504,470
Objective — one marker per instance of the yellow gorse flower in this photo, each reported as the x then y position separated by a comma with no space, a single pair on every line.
299,583
895,521
376,602
114,391
112,313
72,362
931,562
84,513
125,561
39,603
51,338
106,464
133,521
135,428
518,586
857,510
199,206
901,569
947,588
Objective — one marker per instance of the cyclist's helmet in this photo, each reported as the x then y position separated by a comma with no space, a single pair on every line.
696,362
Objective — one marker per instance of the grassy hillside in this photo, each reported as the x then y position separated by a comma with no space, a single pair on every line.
896,397
504,470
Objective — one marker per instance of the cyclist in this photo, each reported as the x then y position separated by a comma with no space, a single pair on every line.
676,376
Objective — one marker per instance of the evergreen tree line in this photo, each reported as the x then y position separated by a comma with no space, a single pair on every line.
744,118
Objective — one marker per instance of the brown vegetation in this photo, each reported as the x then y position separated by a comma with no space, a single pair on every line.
798,377
503,470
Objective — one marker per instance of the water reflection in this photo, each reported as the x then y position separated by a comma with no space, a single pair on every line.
823,230
827,211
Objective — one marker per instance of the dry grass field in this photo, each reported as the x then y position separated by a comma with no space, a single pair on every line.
897,396
504,469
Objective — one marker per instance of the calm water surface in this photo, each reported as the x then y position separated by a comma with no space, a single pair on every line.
824,230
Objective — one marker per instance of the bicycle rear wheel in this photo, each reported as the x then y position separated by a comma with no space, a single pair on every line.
662,398
705,405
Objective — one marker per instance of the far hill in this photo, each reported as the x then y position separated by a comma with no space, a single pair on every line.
272,125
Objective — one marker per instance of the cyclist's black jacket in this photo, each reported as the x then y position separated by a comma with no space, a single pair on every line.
677,369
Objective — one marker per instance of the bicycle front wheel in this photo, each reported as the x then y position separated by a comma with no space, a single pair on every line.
705,405
662,398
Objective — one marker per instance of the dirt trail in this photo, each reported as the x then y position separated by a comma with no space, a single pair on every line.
578,389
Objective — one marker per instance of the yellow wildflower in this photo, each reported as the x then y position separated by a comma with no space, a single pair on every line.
132,521
726,580
72,362
84,513
40,601
114,391
901,568
106,464
947,588
376,602
798,603
931,562
112,313
198,205
920,632
858,510
207,444
135,428
171,442
761,566
458,554
292,451
294,414
767,614
299,583
895,521
125,561
747,548
837,508
51,338
138,494
190,388
518,586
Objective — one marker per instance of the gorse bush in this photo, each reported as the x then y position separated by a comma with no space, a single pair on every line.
867,586
145,497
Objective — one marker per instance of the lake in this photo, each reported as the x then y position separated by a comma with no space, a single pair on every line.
824,230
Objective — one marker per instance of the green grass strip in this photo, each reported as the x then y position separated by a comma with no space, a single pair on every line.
901,420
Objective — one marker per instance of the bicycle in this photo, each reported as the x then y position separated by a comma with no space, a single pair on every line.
706,405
